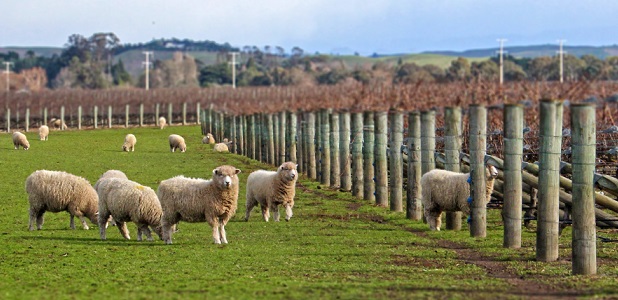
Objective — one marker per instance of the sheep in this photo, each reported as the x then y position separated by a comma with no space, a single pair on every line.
126,201
20,140
162,122
208,139
198,200
221,147
177,142
57,191
271,189
129,143
110,174
57,124
449,191
43,132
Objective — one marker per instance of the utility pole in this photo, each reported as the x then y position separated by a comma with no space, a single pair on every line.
147,64
561,55
7,72
501,52
233,63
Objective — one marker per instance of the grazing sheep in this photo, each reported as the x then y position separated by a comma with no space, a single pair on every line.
57,124
110,174
221,147
57,191
449,191
208,139
177,142
20,140
162,122
199,200
271,189
129,143
128,201
43,132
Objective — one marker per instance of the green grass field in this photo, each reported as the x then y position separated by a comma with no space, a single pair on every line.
335,247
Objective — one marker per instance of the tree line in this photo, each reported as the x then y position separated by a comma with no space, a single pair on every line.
89,63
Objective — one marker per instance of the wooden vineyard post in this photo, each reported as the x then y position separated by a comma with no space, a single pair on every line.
310,148
109,116
233,137
396,162
357,155
61,117
428,141
251,133
335,164
344,152
293,140
126,116
512,190
241,136
95,114
325,143
381,163
478,146
27,120
270,140
368,159
184,113
141,114
276,127
157,111
583,143
549,181
414,208
197,114
170,113
79,117
8,120
45,116
318,145
282,146
452,147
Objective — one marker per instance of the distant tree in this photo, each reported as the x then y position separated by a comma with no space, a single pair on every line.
543,68
486,70
219,74
612,65
120,74
459,70
408,73
573,68
595,68
513,71
436,72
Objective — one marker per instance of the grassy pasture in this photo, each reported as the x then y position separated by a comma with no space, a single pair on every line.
334,246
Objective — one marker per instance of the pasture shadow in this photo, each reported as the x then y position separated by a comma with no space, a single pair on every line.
95,241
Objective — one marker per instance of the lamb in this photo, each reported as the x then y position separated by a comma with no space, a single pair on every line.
57,124
198,200
20,140
208,139
449,191
271,189
43,132
221,147
57,191
162,122
126,201
129,143
177,142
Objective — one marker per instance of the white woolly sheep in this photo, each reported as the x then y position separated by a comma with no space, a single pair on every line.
271,189
177,142
20,140
128,201
43,132
449,191
208,139
199,200
110,174
162,122
57,124
221,147
129,143
57,191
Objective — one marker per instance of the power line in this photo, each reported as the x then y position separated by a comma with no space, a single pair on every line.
147,64
561,55
233,63
501,52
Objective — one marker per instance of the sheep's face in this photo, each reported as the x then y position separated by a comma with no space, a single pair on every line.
491,172
288,171
183,147
225,176
26,145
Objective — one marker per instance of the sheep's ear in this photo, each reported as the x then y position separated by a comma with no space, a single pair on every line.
215,171
237,171
296,166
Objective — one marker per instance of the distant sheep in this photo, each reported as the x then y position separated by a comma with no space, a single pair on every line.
449,191
57,124
208,139
20,140
177,143
57,191
43,132
162,122
221,147
198,200
129,143
271,189
128,201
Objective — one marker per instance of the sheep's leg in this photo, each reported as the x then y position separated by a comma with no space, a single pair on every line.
215,231
434,219
143,229
288,212
167,230
275,209
223,234
122,227
251,203
103,217
84,224
72,223
35,216
265,212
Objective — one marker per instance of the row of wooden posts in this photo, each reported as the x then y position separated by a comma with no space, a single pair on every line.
95,118
362,153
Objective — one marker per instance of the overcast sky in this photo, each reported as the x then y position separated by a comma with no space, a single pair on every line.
325,26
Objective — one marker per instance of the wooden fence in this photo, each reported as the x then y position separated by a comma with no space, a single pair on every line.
351,152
